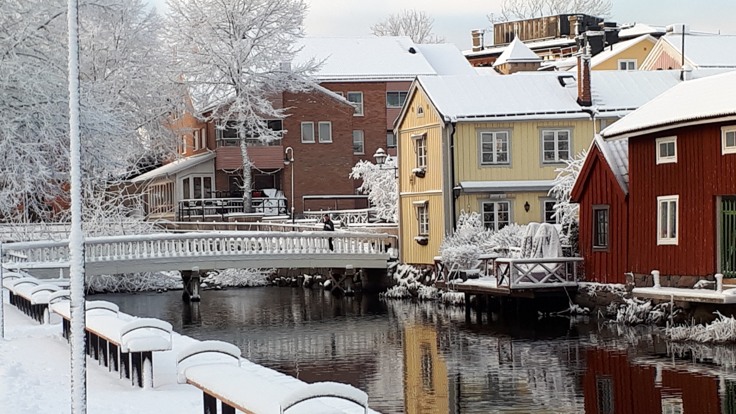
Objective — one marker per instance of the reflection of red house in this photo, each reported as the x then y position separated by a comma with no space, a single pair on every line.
681,187
613,384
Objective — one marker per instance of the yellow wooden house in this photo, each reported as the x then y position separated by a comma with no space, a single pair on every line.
492,144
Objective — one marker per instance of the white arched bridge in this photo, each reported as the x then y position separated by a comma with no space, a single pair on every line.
212,250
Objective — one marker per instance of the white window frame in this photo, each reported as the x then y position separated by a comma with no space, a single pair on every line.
666,159
668,232
358,104
420,111
310,126
401,101
422,218
420,148
495,213
360,135
495,137
328,138
556,132
725,148
627,64
391,140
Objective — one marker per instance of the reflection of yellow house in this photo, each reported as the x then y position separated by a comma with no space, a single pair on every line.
425,372
492,144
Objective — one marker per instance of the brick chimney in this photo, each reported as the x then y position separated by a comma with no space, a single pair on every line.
477,36
584,93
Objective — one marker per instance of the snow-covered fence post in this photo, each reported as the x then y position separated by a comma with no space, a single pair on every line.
655,276
719,281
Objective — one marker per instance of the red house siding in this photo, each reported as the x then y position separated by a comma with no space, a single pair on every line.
700,174
600,187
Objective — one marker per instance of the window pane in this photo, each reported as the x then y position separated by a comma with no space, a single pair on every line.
307,132
663,220
357,99
325,132
197,187
185,185
673,219
390,140
731,139
358,142
207,190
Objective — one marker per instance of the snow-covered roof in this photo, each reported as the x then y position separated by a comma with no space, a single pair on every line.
517,52
175,167
616,92
638,29
541,44
373,58
692,101
616,153
705,50
523,95
505,186
615,49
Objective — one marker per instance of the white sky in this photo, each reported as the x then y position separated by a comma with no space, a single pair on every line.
455,19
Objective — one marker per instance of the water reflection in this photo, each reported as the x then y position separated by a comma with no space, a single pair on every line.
424,358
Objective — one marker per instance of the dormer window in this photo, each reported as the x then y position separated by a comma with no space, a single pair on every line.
666,150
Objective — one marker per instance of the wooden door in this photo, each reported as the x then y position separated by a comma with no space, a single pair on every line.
728,236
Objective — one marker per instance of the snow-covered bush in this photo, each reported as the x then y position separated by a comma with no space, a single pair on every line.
565,211
463,248
508,238
381,185
134,282
636,311
237,277
721,330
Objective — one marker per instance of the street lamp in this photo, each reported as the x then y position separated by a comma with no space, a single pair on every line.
289,159
381,157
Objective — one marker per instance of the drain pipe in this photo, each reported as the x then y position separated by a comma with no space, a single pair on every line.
453,129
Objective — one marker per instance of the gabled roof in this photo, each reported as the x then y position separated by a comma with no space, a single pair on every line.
616,155
696,101
617,92
175,167
517,52
705,50
638,29
375,58
523,95
616,49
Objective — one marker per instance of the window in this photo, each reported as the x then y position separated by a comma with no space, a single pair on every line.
307,131
358,142
356,98
666,150
395,99
227,135
627,64
420,147
729,140
601,225
420,111
423,219
390,139
549,212
604,391
494,148
555,145
325,131
667,219
197,187
496,214
182,144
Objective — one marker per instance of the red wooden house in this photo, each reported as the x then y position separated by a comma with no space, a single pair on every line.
681,203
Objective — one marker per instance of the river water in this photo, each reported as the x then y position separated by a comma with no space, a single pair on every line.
426,358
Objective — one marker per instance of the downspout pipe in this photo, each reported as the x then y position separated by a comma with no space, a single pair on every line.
453,129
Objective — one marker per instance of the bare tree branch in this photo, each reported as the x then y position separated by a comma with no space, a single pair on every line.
417,25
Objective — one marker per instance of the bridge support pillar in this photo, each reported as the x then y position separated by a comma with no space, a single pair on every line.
190,279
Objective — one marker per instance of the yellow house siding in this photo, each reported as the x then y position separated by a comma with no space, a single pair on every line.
412,188
637,52
525,148
472,203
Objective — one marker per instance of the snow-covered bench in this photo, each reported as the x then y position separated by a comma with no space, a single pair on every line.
120,344
216,368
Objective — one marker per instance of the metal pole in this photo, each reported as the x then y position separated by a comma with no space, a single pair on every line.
2,295
76,236
293,218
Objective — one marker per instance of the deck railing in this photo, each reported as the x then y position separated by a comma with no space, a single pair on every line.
362,216
536,272
200,209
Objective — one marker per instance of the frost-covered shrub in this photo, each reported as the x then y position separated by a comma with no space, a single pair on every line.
462,249
237,277
635,311
133,282
721,330
507,239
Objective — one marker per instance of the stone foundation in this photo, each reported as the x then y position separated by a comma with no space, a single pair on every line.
647,280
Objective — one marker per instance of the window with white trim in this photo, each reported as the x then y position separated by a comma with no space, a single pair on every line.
667,221
325,131
549,211
728,145
496,214
601,227
358,142
555,145
395,99
420,148
356,98
196,187
390,139
423,219
195,138
666,150
203,138
627,64
494,147
308,132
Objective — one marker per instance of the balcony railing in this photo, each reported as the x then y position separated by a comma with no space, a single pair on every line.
211,208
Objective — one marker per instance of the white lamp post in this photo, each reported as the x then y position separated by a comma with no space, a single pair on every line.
289,159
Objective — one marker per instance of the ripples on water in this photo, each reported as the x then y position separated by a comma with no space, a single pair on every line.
426,358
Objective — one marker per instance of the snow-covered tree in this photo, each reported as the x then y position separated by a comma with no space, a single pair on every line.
463,248
123,92
381,185
412,23
234,56
527,9
565,211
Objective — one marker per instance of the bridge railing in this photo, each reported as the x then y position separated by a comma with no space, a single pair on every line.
170,245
